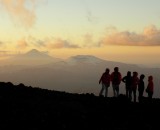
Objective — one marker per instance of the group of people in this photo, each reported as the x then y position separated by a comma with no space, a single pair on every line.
131,80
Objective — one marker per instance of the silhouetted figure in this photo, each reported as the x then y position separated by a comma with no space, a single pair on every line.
135,81
128,82
141,87
105,80
116,80
150,87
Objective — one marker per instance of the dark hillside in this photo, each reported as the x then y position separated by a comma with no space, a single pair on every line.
23,107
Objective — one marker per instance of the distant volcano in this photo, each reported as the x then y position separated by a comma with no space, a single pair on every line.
34,53
84,59
32,57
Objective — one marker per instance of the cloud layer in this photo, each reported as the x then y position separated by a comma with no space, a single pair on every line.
149,37
48,43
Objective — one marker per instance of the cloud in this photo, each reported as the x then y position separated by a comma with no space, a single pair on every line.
149,37
52,43
88,39
4,44
22,44
21,11
89,14
1,43
90,17
4,53
59,43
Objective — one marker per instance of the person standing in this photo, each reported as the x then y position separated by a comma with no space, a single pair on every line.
105,80
128,82
135,81
141,87
150,87
116,78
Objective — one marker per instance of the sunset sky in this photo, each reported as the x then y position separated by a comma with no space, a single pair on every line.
118,30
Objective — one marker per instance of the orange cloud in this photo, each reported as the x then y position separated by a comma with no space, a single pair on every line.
59,43
4,54
22,44
52,43
1,43
89,42
20,11
149,37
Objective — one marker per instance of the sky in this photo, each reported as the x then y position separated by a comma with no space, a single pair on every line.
117,30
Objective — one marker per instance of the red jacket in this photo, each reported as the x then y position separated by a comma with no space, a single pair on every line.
116,78
135,81
105,78
150,86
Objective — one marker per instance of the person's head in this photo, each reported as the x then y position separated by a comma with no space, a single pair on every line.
135,74
129,73
142,76
150,78
107,70
116,69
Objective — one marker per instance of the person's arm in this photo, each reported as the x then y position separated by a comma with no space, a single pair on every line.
120,78
124,79
111,78
100,80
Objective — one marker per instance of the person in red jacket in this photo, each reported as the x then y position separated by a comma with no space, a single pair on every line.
105,80
116,78
150,87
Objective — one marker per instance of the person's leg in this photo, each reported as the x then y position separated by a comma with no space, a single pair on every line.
106,90
140,96
117,90
114,90
130,94
150,95
102,89
134,94
127,92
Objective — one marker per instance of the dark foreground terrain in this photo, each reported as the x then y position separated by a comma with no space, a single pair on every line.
23,107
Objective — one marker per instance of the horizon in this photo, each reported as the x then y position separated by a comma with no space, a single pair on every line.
8,57
112,30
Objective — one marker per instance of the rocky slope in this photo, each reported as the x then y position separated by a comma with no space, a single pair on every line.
25,107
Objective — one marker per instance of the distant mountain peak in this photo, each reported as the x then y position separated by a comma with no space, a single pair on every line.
84,59
33,51
36,53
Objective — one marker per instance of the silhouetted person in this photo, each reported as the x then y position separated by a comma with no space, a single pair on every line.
135,81
105,80
128,83
150,87
116,80
141,87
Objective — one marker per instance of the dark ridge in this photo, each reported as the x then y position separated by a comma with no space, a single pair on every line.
23,107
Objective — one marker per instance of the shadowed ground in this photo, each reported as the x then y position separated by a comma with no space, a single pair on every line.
23,107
